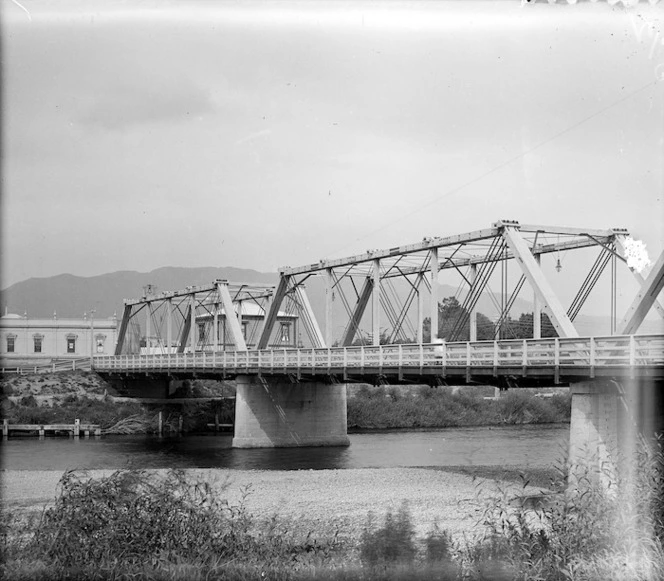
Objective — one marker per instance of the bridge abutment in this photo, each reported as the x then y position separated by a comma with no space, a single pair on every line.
609,418
276,413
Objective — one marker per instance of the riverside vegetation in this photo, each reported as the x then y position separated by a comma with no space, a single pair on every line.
168,526
83,395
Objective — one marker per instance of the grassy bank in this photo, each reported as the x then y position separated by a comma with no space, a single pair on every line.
64,397
117,417
425,407
139,525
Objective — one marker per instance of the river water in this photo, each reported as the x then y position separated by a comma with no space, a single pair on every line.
529,445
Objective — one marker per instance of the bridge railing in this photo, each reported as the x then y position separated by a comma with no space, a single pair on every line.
627,350
46,366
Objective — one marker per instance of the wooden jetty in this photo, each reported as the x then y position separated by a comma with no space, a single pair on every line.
75,429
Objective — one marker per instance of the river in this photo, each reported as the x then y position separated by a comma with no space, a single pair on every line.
525,445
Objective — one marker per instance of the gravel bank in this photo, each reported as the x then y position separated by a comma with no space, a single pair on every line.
318,499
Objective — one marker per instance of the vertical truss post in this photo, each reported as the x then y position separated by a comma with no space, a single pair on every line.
271,315
122,333
375,303
420,308
329,289
645,298
537,281
169,325
358,312
537,309
239,320
148,328
232,320
434,294
473,310
309,319
215,327
192,327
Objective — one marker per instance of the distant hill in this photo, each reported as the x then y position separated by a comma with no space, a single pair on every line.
71,296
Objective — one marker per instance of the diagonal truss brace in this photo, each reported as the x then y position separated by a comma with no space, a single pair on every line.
358,312
186,329
232,321
271,315
645,299
620,241
123,329
308,317
538,282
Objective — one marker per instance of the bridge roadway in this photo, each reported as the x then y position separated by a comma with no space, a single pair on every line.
522,362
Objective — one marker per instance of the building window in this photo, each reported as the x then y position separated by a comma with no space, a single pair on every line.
71,343
201,333
11,344
99,341
284,332
244,331
37,339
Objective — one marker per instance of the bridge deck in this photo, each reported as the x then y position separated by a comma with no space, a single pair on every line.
539,359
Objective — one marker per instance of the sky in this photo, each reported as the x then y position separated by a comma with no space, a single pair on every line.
137,135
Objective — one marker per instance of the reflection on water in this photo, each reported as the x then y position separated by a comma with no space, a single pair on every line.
491,446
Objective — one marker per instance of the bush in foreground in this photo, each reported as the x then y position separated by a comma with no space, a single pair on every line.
133,522
134,525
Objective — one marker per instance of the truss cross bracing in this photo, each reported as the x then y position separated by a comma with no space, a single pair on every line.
392,295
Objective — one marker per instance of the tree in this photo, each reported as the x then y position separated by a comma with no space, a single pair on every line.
450,315
523,327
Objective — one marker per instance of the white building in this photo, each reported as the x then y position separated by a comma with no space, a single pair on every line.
23,337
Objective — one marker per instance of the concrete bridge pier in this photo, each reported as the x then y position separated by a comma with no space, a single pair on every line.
277,413
609,420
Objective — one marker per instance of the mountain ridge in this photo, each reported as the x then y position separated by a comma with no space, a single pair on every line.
70,296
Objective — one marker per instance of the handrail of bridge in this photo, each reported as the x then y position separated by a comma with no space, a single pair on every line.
48,366
616,350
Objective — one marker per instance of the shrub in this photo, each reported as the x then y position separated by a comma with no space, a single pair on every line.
438,545
391,543
586,533
131,521
29,401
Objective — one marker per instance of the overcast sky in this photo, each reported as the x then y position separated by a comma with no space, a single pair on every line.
258,135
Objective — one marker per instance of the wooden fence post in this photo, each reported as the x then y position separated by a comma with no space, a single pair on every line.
77,428
5,429
159,424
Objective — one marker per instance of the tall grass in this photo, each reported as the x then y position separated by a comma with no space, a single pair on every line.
135,525
441,407
129,522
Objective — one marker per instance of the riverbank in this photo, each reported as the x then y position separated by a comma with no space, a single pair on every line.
337,525
330,500
62,398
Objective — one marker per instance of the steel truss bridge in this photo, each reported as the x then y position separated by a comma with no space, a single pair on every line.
390,299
